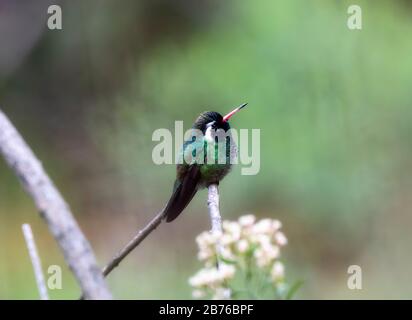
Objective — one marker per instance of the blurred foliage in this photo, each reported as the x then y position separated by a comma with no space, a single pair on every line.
333,106
332,128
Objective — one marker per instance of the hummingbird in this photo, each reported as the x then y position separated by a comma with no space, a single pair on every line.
197,174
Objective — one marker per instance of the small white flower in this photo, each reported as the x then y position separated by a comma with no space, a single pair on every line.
272,252
247,220
205,277
276,225
263,240
232,228
199,279
280,238
221,293
278,271
242,246
208,238
197,294
226,253
227,239
205,254
262,259
201,239
214,277
226,271
263,226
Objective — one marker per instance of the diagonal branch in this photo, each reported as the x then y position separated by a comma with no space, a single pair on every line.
54,211
132,244
213,204
137,239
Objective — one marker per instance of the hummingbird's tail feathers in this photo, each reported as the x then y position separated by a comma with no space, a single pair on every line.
183,193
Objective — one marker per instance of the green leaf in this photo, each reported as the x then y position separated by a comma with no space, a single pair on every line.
251,249
227,261
293,289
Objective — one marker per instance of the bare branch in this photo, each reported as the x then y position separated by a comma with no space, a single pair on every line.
137,239
35,260
216,221
213,205
54,210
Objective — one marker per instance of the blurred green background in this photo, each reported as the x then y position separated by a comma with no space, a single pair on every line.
333,106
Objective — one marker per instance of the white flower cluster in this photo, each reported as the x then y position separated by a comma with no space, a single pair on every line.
259,241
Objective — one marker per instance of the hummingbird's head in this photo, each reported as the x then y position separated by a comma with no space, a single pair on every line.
214,120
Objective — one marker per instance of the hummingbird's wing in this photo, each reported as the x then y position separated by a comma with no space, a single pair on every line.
183,193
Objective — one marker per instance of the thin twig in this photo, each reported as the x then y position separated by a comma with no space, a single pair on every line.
215,218
139,237
35,260
216,221
132,244
54,210
213,205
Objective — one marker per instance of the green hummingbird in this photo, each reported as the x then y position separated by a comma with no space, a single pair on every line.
199,166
